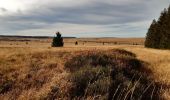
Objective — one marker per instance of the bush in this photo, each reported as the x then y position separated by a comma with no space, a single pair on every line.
76,43
57,41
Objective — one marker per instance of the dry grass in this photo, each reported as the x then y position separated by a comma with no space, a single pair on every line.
159,61
42,67
31,73
20,42
99,73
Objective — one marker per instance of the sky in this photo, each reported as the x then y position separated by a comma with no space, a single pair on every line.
79,18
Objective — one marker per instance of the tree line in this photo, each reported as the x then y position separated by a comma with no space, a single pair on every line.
158,35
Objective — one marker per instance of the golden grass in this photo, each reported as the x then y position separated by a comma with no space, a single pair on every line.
16,58
19,42
159,61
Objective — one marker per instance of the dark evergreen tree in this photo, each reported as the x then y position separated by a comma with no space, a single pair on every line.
76,43
57,40
162,22
168,29
158,35
150,35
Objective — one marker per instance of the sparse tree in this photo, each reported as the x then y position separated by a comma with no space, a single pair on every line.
57,40
76,43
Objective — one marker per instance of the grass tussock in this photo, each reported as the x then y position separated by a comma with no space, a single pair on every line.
115,74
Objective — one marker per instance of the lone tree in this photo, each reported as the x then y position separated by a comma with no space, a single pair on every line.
76,43
57,40
158,35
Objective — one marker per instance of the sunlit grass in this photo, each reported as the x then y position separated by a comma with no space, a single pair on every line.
36,72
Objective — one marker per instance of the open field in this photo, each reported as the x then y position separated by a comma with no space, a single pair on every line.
46,42
34,70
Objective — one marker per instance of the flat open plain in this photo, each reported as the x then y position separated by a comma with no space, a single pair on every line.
16,56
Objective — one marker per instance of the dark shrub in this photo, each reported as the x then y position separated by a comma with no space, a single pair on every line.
76,43
112,75
57,41
89,58
88,80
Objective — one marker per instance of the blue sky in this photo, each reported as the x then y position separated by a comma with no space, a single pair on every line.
81,18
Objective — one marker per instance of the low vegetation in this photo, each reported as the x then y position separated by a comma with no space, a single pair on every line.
115,74
80,74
